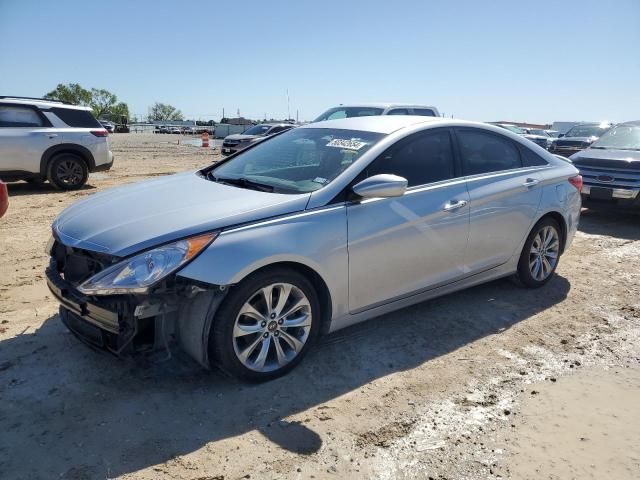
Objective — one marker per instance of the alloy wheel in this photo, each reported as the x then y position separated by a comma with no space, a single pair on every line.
69,172
272,327
543,255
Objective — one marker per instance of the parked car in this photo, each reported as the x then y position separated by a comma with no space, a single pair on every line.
48,140
374,109
542,137
175,130
578,138
4,198
189,130
611,167
308,232
541,140
109,126
235,143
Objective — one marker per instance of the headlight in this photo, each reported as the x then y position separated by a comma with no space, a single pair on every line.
138,273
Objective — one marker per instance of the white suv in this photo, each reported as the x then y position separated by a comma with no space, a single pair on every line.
49,140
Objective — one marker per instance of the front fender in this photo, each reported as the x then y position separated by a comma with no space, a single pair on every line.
316,239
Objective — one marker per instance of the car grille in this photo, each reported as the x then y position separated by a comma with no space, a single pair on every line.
75,265
230,143
609,173
571,143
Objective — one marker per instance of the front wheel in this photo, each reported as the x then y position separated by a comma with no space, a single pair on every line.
540,254
265,326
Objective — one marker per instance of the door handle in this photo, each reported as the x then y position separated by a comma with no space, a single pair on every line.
454,205
51,135
531,182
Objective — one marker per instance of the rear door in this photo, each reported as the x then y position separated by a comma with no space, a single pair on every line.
24,136
504,196
399,246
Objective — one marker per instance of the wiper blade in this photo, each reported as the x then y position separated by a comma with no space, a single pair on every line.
244,183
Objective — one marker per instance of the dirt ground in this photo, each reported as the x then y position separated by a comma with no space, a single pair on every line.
492,382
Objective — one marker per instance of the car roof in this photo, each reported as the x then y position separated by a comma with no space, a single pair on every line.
377,123
383,105
41,103
632,123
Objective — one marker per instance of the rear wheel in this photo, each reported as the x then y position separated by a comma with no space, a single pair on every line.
68,172
540,254
265,326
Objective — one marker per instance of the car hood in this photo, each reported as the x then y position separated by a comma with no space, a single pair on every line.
608,154
128,219
577,139
239,136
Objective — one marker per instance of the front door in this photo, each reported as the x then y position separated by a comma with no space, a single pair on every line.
400,246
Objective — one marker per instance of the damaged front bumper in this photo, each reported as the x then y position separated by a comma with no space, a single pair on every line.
121,324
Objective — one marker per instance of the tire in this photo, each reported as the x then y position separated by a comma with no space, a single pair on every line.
67,171
229,340
540,254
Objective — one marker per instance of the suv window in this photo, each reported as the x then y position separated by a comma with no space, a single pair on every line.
422,158
11,116
77,118
424,112
398,111
484,152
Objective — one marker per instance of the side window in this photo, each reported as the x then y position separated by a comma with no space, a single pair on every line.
424,112
11,116
531,159
76,118
484,152
422,158
337,114
398,111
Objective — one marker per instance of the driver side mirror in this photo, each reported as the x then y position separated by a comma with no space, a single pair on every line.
381,186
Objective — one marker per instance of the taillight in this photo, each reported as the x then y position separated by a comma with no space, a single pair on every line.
576,182
100,133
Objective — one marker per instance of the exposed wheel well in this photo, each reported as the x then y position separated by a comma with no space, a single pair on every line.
77,150
563,227
318,283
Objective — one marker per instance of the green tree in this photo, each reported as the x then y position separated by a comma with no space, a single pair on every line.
163,111
71,93
102,102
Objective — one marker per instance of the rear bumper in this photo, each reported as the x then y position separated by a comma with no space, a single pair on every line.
105,166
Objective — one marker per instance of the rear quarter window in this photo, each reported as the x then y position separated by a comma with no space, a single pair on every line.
530,158
424,112
76,118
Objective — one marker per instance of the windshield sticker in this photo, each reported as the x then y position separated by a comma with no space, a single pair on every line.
320,180
348,144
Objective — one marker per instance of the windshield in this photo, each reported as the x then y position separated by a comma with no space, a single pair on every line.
536,131
623,137
513,128
586,131
257,130
349,112
298,161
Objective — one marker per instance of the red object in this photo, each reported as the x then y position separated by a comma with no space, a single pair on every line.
4,198
100,133
205,139
576,182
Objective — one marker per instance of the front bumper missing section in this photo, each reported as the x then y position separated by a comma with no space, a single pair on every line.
125,325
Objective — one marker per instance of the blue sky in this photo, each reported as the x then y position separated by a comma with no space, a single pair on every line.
536,61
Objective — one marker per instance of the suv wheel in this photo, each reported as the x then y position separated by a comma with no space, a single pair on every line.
68,171
266,325
540,254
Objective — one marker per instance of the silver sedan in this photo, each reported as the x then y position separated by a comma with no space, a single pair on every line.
245,263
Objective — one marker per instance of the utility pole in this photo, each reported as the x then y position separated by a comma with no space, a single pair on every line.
288,109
